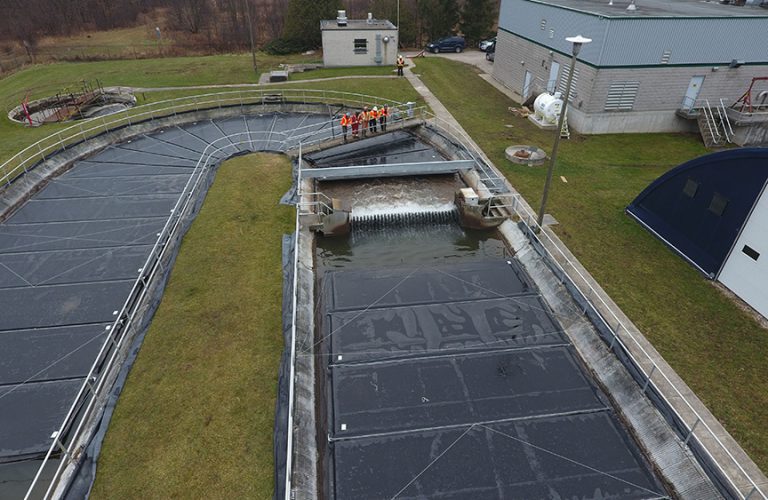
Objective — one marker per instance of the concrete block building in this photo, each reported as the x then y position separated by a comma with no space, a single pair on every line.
649,63
358,42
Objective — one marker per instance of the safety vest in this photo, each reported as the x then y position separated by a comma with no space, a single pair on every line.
384,112
400,61
344,120
353,119
372,115
363,117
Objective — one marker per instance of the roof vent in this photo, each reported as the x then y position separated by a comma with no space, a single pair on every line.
370,18
341,19
632,6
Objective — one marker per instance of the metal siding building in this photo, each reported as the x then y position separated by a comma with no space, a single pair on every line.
641,67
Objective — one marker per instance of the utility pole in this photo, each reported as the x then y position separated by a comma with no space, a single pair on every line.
250,33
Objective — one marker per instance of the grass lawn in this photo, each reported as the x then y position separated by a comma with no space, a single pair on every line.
197,411
48,79
718,349
332,72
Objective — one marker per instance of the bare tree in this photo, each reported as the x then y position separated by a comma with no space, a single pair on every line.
190,15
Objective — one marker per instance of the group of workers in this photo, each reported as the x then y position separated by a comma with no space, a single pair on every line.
367,120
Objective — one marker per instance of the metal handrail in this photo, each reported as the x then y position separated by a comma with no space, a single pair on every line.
100,373
315,204
722,124
710,119
727,120
118,329
85,129
530,220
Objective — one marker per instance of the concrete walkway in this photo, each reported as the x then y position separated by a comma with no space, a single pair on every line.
723,448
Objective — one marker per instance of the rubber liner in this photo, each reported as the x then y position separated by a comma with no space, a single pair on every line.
283,375
455,381
70,255
549,457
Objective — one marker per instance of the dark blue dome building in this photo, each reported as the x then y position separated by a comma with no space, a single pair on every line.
712,210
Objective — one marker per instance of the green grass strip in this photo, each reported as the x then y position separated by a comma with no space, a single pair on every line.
196,415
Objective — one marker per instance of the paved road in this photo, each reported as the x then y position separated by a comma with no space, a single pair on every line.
470,56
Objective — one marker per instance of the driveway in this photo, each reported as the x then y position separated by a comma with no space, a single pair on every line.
470,56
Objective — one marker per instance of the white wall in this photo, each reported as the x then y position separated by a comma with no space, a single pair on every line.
339,44
743,275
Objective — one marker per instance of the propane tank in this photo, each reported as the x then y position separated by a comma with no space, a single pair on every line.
547,107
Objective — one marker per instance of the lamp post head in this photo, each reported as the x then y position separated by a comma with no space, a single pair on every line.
577,42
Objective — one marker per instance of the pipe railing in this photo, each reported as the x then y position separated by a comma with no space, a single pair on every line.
646,363
82,130
65,440
73,432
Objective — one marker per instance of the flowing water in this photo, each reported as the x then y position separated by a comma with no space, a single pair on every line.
403,222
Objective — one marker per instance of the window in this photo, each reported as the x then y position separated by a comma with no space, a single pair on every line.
621,96
361,45
751,252
690,188
718,204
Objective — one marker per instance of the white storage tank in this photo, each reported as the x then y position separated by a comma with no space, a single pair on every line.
547,107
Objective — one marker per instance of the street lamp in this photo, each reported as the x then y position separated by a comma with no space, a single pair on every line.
578,42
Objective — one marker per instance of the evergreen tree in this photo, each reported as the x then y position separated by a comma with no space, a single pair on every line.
439,17
302,22
477,18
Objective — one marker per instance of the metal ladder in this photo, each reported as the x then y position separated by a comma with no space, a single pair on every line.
565,132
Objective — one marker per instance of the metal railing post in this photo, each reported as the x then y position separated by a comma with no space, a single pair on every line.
648,378
690,433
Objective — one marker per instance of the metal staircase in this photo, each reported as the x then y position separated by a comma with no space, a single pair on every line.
714,125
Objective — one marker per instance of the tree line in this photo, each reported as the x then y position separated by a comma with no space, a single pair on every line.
227,24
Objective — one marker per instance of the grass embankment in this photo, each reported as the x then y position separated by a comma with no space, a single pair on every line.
197,411
718,349
45,80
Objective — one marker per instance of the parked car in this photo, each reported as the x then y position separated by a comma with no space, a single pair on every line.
447,44
486,43
490,52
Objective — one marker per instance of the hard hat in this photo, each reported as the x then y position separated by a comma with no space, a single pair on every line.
375,108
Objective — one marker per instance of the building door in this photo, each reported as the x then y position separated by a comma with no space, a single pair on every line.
554,72
527,85
745,270
693,92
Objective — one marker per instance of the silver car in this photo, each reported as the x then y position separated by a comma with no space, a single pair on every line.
486,43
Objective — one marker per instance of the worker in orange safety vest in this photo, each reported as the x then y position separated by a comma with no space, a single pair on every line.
344,125
363,119
372,117
383,114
